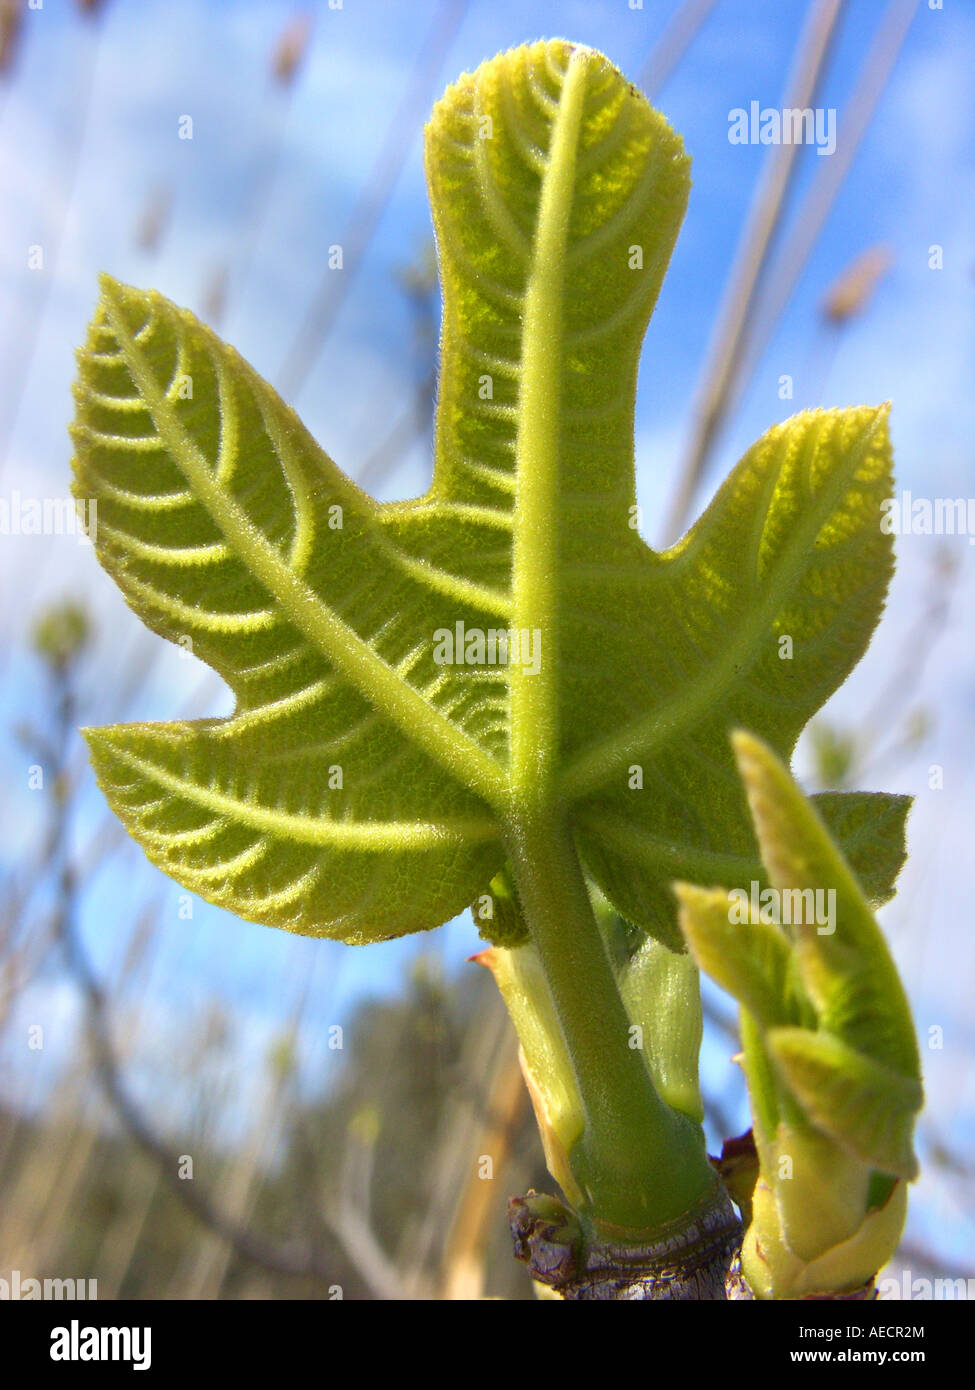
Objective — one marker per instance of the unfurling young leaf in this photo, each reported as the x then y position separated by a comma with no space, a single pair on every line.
500,677
829,1048
361,787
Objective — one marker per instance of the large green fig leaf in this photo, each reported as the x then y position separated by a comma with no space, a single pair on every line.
385,742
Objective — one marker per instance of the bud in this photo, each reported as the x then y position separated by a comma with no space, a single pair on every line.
61,633
850,294
830,1055
497,915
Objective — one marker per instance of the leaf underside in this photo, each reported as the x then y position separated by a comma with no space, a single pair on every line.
361,789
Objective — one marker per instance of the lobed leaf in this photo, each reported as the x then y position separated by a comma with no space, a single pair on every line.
557,195
310,808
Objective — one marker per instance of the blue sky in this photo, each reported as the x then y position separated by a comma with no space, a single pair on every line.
88,134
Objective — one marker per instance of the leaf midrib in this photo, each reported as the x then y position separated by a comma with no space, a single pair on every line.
535,541
378,836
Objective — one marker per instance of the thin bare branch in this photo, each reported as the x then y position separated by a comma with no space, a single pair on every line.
673,43
330,296
784,274
763,222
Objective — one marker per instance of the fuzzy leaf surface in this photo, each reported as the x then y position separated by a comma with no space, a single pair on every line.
365,784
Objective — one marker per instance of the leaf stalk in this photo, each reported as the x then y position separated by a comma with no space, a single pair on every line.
639,1163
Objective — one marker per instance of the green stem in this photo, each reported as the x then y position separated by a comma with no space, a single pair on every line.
640,1163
